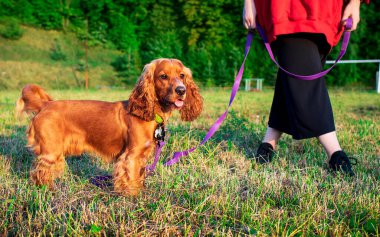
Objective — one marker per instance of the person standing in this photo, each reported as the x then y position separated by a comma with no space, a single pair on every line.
302,33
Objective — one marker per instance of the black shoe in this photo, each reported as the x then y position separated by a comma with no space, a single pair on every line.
264,153
339,161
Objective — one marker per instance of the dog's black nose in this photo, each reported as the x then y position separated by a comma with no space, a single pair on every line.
180,90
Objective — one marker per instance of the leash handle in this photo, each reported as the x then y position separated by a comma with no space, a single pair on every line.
218,122
346,39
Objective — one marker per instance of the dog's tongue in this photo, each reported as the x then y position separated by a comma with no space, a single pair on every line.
178,103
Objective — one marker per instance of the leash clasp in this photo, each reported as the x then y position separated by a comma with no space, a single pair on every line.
159,133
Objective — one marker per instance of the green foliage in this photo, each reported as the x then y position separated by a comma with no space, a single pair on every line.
122,33
214,65
125,66
7,7
199,60
166,45
47,14
207,35
56,52
10,28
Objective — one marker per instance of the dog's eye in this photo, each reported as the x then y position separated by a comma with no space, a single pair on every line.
182,76
164,76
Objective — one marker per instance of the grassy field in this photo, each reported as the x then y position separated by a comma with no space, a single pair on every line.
217,190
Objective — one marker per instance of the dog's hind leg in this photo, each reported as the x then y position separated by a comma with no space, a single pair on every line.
47,167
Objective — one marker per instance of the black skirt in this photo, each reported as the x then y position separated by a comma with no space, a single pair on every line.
301,108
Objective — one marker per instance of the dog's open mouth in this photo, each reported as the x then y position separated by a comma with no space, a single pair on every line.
173,104
178,103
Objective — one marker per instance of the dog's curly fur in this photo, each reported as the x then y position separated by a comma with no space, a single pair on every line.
120,132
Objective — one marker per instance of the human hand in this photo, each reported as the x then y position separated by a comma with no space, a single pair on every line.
249,14
352,10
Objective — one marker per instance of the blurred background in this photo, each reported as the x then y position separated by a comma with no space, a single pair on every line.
61,44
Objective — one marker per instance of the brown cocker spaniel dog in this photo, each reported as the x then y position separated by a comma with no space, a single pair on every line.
120,132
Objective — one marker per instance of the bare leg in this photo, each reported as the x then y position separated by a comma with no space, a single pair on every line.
330,142
271,136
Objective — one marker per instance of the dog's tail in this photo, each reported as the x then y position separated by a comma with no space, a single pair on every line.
31,101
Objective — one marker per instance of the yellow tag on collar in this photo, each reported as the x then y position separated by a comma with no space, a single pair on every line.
158,119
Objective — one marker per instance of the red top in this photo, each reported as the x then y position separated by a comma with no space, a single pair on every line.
279,17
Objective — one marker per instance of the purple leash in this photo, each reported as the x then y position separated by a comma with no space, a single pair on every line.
152,167
346,39
218,122
177,155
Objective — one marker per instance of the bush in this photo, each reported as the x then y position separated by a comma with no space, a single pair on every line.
127,68
56,52
10,28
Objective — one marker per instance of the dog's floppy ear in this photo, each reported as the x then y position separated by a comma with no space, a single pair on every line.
193,102
141,102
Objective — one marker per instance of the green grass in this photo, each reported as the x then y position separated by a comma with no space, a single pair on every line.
216,190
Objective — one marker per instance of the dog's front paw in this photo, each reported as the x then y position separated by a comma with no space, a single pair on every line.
129,188
42,177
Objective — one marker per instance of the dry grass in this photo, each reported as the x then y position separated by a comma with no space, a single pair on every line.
15,74
217,190
29,60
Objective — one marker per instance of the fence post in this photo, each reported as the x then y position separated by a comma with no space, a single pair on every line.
259,84
247,84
